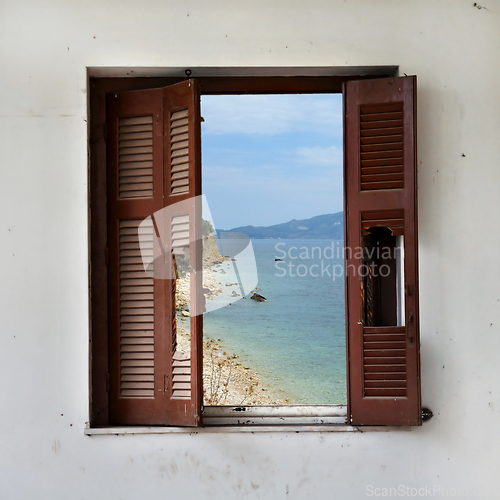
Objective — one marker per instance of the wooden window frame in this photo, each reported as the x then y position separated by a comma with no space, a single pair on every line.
98,236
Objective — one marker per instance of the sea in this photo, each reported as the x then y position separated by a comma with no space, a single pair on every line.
295,339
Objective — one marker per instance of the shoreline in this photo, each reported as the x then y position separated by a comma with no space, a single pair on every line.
227,380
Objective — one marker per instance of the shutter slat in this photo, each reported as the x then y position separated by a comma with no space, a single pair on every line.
377,116
182,370
134,136
390,393
386,384
382,146
385,376
135,168
180,145
181,363
137,348
125,151
135,143
138,179
137,393
380,353
136,356
126,300
183,113
180,182
137,363
181,394
180,152
146,334
126,311
382,163
181,386
385,368
373,186
181,175
388,169
137,385
179,137
382,177
181,167
381,139
379,124
382,132
180,129
180,160
133,129
136,340
381,154
385,345
130,318
134,158
137,377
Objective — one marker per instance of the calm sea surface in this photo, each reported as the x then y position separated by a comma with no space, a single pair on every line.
296,339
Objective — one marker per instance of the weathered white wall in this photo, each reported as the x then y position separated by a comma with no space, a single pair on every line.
45,47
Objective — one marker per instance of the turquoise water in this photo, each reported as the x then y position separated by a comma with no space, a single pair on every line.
296,339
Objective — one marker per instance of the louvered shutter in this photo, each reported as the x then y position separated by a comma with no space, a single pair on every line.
182,188
142,321
381,214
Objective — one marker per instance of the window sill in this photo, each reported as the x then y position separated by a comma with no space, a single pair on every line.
257,419
119,431
293,418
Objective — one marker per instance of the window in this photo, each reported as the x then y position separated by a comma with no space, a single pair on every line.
149,140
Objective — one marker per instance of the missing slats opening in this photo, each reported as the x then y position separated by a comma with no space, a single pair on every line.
383,280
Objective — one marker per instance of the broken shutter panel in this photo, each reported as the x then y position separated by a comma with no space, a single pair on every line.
137,346
381,216
182,187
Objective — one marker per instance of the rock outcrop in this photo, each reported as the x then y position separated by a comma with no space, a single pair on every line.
258,298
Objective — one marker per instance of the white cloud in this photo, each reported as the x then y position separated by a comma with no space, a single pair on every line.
271,114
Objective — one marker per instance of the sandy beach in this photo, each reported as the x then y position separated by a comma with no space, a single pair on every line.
226,379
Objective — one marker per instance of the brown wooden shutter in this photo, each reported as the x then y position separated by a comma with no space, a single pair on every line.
381,215
142,331
182,187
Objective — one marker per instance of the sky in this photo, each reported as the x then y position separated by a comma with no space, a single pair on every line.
268,159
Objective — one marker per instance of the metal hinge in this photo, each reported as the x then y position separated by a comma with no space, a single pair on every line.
426,414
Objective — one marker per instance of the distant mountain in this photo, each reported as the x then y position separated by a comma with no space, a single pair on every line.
321,227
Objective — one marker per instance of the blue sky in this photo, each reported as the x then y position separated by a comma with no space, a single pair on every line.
268,159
